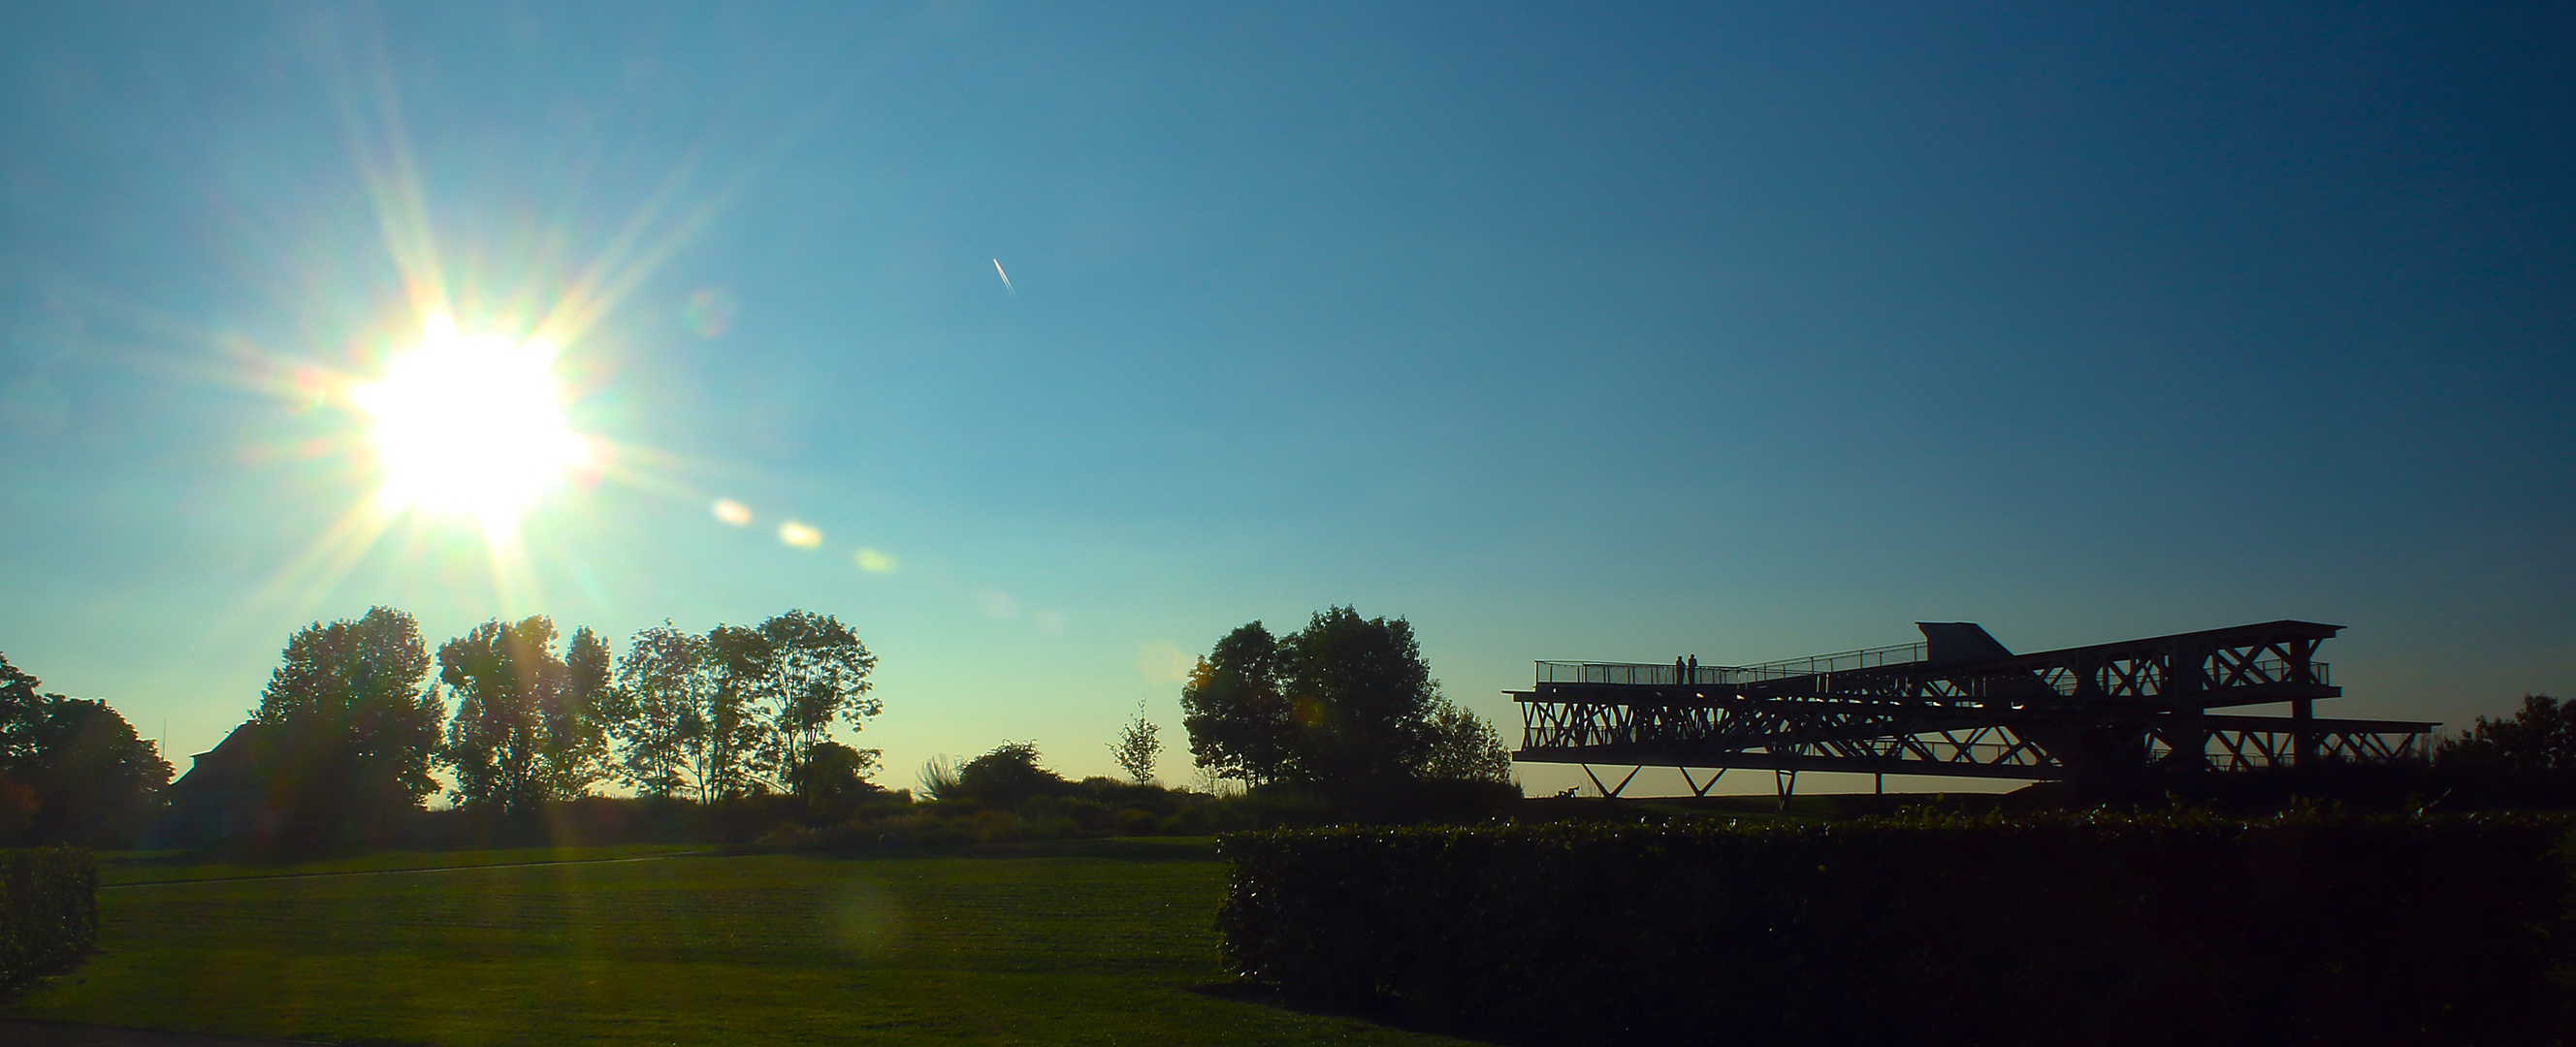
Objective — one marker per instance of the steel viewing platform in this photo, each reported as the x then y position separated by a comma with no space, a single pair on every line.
1960,704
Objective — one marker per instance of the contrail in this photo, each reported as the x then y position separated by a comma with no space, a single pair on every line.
1006,279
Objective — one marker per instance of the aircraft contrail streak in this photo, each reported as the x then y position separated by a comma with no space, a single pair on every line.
1006,279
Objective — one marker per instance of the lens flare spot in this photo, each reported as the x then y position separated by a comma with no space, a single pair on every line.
471,424
876,561
996,604
1161,661
866,920
732,512
1047,622
710,312
799,535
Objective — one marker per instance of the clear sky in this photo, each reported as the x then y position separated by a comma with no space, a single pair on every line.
1738,331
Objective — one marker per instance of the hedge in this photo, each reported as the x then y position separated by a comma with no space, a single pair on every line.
2157,929
48,909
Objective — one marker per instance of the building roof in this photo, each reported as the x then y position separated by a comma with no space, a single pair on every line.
226,766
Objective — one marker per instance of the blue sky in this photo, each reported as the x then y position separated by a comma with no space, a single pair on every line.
1743,333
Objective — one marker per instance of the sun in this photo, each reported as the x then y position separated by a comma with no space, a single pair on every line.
470,424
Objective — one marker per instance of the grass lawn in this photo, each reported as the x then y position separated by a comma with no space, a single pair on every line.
1096,942
116,870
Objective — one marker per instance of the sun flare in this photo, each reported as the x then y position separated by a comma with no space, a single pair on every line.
470,424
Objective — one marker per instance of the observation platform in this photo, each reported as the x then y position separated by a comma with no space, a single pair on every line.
1960,704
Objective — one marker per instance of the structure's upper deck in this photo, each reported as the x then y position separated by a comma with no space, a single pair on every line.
1656,674
2246,664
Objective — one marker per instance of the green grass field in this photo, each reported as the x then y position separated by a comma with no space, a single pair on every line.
1100,942
118,870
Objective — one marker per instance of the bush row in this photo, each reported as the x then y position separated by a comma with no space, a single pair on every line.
48,908
2137,929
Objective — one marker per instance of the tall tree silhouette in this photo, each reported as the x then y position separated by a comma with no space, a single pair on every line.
1362,696
97,784
733,722
658,713
1346,701
345,731
528,725
817,672
1238,722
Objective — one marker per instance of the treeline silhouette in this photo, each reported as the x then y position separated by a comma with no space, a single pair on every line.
724,736
352,728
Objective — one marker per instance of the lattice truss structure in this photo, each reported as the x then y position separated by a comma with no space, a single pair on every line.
1960,704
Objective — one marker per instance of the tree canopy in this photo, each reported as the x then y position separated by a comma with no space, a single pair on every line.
345,729
741,709
1345,701
1237,719
1362,694
658,711
2537,743
71,769
813,672
528,722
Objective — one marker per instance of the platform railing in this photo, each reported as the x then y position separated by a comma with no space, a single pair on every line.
1665,674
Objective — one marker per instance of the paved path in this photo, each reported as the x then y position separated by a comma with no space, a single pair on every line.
53,1034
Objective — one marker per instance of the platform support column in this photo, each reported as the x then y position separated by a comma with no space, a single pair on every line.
1611,792
2303,732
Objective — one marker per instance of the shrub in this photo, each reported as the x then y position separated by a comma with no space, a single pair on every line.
2179,928
48,909
1007,775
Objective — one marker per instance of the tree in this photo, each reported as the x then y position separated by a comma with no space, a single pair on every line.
731,727
1139,744
1464,748
1362,695
345,731
71,769
833,775
658,711
97,784
22,712
1345,702
817,672
1238,722
528,725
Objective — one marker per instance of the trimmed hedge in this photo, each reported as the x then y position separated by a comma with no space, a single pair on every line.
48,909
2154,929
